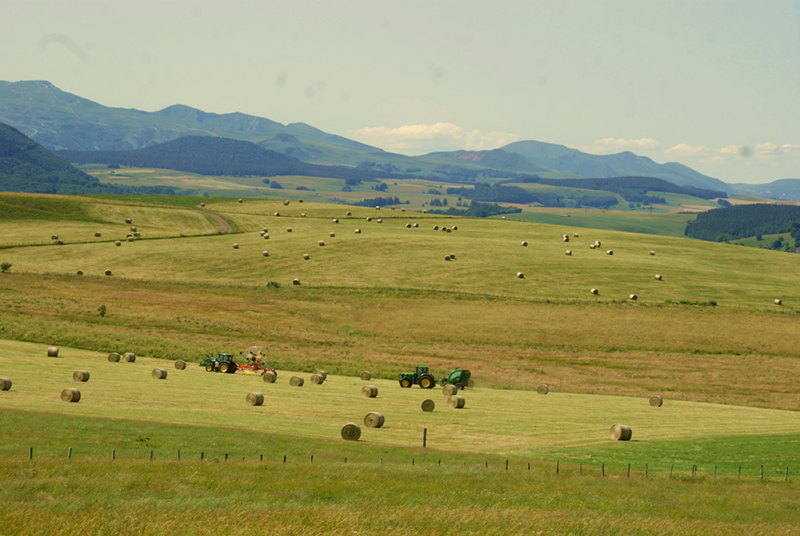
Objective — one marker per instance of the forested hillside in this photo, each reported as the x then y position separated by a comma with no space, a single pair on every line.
633,189
744,221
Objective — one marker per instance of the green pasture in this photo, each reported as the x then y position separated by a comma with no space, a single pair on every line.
653,222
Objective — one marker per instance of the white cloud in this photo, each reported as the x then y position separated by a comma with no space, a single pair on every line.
773,150
616,145
429,138
684,149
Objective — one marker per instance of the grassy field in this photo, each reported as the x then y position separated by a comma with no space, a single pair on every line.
708,338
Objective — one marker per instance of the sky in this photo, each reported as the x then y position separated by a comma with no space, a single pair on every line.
712,84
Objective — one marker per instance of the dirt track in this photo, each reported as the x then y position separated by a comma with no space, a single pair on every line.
225,226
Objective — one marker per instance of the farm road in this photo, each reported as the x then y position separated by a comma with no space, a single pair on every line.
226,227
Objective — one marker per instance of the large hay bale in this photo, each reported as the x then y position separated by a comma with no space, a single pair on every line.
428,405
597,243
137,235
565,238
520,275
288,229
235,246
424,211
358,231
59,242
568,253
113,357
332,234
265,253
594,291
323,374
133,229
543,389
306,256
52,351
128,221
377,207
447,257
435,227
269,376
266,236
276,214
335,220
117,243
592,246
79,272
295,281
373,419
351,432
302,214
656,401
456,402
70,395
97,235
296,381
107,272
5,384
455,227
286,203
415,225
524,244
317,379
348,213
369,219
453,256
54,237
129,357
408,226
80,376
202,205
652,252
159,374
130,239
380,220
369,391
255,399
633,297
778,302
241,200
449,389
366,375
609,252
576,235
658,277
471,383
180,364
321,243
621,432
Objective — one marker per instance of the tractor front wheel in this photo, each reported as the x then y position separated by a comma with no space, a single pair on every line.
426,382
405,383
210,367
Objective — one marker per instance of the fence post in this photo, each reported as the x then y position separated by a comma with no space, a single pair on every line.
179,454
580,468
69,453
311,460
629,470
151,455
202,455
31,453
284,458
113,454
762,472
506,465
670,469
645,470
557,465
603,469
715,472
486,464
740,473
786,474
226,456
424,437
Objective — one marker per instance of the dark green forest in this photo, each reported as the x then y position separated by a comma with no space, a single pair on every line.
731,223
633,189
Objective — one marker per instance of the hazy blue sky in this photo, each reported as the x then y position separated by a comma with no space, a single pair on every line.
714,85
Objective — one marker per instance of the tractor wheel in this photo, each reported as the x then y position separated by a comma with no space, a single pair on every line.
224,367
210,367
426,382
405,383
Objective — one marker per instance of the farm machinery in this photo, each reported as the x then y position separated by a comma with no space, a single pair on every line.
422,377
254,362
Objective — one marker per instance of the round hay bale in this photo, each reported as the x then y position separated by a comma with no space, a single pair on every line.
113,357
255,399
592,246
402,210
597,243
502,217
321,243
568,253
306,256
456,402
133,229
302,214
335,220
621,432
117,243
5,384
447,257
80,376
202,205
778,302
299,200
369,219
373,419
351,432
264,230
70,395
633,297
453,256
286,203
424,211
288,229
235,246
107,272
358,231
52,351
269,376
348,213
471,383
609,252
656,401
295,281
317,379
435,227
265,253
450,389
428,405
129,357
652,252
130,239
524,244
380,220
408,226
369,391
455,227
128,221
97,235
658,277
520,275
54,237
415,225
296,381
377,207
137,235
594,291
59,242
266,236
241,200
276,214
79,272
159,374
180,364
332,234
323,374
543,389
576,235
566,238
366,375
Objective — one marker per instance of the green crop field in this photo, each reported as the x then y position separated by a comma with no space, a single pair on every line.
707,337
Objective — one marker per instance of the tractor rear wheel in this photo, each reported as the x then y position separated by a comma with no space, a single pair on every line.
223,367
405,383
210,367
426,382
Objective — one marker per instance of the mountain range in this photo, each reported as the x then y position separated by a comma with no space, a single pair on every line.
62,121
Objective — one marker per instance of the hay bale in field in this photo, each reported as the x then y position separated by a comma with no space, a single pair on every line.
594,291
79,272
520,275
455,227
621,432
241,200
435,227
59,242
306,256
568,253
107,272
159,374
269,376
302,214
408,226
358,231
52,351
415,225
380,220
543,389
369,391
449,389
202,205
296,381
317,379
276,214
652,252
351,432
592,246
299,200
335,220
70,395
265,253
576,235
424,211
321,243
471,383
597,243
377,207
365,375
428,405
656,401
323,374
453,256
97,235
373,419
295,281
609,252
117,243
288,229
130,239
658,277
566,238
348,213
332,234
180,364
778,302
113,357
5,384
456,401
524,244
128,221
264,230
369,219
286,203
633,297
402,210
254,399
80,376
129,357
54,237
266,237
133,229
137,235
502,217
447,257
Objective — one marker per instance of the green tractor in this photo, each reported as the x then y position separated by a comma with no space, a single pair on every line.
220,363
420,377
459,377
